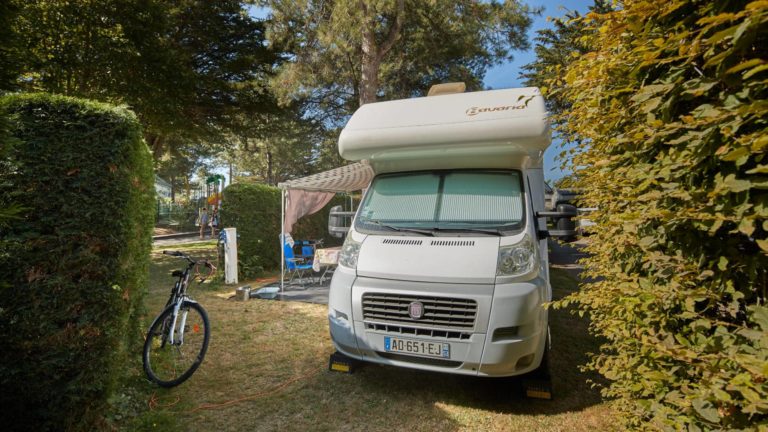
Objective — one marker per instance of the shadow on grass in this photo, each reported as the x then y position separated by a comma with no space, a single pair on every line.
274,354
389,398
572,390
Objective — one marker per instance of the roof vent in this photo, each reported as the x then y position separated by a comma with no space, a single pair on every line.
447,88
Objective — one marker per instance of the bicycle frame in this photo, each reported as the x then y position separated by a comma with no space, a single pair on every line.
177,298
172,328
171,324
180,287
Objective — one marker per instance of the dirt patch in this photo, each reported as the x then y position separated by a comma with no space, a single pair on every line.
163,231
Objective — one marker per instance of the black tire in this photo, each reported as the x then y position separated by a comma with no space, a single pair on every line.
168,364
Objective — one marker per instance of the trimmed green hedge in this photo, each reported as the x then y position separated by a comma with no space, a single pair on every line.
254,209
77,260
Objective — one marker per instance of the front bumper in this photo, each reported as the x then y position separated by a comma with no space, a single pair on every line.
508,336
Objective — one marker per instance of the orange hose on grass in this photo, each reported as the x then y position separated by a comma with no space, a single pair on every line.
153,402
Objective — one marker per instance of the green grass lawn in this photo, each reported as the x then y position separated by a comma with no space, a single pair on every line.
266,369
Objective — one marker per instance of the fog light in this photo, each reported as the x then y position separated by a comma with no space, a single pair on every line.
524,361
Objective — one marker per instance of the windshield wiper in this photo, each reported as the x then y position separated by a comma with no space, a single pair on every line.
399,229
431,231
490,231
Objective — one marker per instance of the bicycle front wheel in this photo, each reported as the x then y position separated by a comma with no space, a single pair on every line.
174,348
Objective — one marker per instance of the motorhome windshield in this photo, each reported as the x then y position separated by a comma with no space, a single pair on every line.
429,202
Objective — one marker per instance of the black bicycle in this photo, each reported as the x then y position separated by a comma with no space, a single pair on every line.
178,338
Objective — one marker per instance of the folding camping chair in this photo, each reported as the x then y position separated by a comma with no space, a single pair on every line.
296,265
306,249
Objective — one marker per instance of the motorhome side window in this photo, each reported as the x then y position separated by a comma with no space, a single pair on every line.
451,201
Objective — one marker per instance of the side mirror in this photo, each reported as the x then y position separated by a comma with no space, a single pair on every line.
565,226
337,226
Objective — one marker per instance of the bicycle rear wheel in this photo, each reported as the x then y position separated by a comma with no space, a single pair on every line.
172,356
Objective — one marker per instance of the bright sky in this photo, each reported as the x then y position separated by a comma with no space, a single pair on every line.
507,74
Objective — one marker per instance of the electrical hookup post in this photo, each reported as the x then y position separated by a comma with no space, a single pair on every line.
229,238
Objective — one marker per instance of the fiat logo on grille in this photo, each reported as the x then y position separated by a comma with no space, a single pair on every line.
416,310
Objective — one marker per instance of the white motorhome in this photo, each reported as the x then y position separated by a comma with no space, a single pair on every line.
445,266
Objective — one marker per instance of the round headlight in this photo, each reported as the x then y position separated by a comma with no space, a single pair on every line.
349,252
521,257
516,259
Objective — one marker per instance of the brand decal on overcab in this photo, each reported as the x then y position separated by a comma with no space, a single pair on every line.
478,110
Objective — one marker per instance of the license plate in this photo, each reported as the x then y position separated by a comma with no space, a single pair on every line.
417,347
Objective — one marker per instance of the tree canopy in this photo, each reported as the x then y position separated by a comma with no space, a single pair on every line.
276,147
185,67
346,53
195,72
555,49
205,78
9,70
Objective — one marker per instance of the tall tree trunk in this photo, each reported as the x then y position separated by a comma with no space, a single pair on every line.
369,81
269,168
155,144
173,189
373,53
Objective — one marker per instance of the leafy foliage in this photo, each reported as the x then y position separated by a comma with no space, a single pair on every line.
9,64
556,48
77,259
186,67
347,53
9,46
195,72
254,209
274,148
669,110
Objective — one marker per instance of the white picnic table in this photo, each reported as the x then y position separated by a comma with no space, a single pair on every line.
326,259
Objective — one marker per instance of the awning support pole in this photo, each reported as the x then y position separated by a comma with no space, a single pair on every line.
282,238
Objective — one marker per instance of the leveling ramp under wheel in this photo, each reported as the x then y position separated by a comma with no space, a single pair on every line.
538,388
538,384
338,362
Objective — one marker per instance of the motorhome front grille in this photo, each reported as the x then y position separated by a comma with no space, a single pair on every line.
434,333
402,242
438,312
420,360
452,243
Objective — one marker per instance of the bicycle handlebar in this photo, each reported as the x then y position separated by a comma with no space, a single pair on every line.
180,255
192,262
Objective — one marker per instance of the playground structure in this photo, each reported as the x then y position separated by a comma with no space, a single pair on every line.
214,185
184,214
